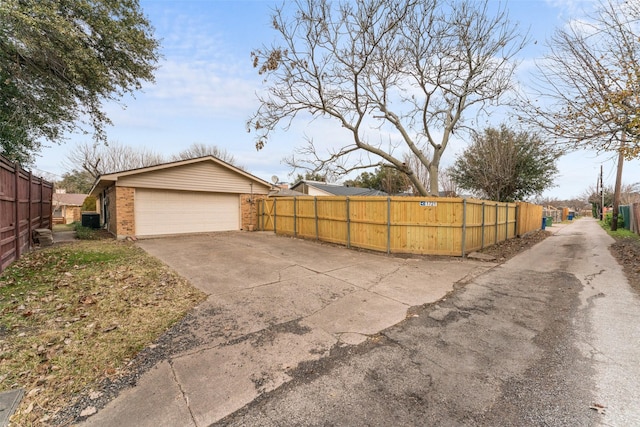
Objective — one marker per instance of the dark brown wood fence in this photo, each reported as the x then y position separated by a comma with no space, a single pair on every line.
420,225
25,204
634,221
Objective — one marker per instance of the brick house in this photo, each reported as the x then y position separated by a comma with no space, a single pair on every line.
67,207
197,195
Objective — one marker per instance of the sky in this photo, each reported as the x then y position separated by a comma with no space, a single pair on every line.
206,87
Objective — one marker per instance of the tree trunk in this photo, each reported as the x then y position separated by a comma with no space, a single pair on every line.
616,193
433,180
415,180
434,169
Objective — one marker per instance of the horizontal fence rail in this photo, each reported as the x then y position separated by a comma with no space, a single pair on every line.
25,204
417,225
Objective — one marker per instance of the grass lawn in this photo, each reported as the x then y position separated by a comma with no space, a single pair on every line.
75,314
620,233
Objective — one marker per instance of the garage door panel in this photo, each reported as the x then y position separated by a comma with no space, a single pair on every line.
174,212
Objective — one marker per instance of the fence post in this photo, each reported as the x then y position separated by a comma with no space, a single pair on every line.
515,229
464,226
261,214
482,229
16,224
30,210
42,200
506,221
348,226
275,216
315,208
295,217
388,225
497,212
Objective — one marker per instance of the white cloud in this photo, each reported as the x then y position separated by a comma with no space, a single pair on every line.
570,8
203,85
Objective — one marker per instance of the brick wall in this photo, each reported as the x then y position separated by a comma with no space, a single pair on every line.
125,216
72,214
249,211
110,198
120,214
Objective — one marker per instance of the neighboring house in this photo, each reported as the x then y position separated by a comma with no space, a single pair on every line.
67,207
284,192
314,188
188,196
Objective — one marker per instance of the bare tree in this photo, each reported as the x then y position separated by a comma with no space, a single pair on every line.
420,170
99,159
200,150
589,95
630,193
413,68
448,184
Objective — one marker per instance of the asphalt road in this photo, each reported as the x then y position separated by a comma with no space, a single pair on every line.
538,341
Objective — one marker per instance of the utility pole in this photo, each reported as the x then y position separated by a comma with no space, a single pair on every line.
601,196
616,193
597,192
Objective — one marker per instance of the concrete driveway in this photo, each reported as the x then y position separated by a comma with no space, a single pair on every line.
549,338
273,303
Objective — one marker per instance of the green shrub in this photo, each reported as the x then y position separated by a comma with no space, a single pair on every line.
89,204
86,233
609,217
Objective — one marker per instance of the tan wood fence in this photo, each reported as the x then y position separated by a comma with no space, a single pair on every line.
25,204
418,225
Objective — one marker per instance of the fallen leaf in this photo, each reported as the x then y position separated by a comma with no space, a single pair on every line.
87,300
29,409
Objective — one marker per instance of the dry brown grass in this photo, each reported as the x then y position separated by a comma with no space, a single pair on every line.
75,314
507,249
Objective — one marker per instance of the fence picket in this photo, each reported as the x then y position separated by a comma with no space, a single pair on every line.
25,204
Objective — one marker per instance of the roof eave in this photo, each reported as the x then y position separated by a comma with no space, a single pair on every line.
101,184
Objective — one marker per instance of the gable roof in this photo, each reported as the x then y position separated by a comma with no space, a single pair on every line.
106,180
285,192
68,199
339,190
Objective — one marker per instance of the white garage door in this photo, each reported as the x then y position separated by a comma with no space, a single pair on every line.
175,212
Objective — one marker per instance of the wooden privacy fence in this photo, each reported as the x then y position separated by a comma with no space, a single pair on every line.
634,217
419,225
25,204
